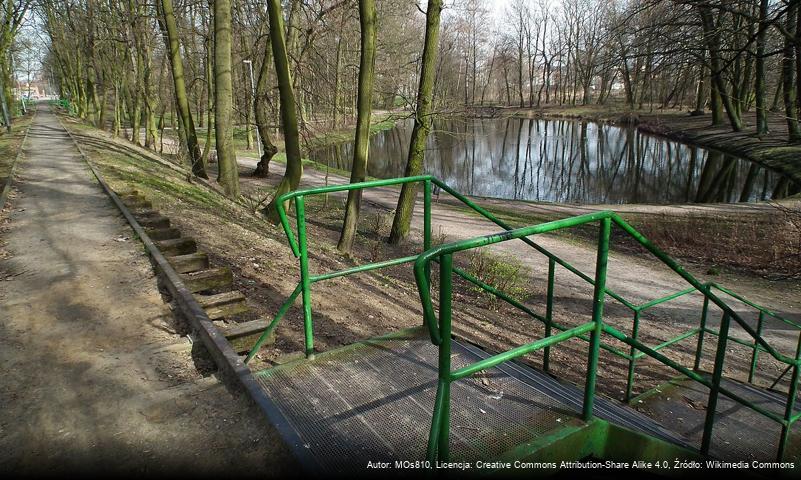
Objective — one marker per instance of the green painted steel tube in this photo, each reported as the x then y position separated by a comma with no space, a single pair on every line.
362,268
672,341
520,351
790,405
287,228
386,182
546,356
530,312
755,354
438,251
281,312
691,374
762,309
427,221
330,189
714,390
489,216
445,313
599,297
498,293
699,286
635,331
666,298
699,349
436,422
587,338
658,356
694,376
744,343
305,281
753,406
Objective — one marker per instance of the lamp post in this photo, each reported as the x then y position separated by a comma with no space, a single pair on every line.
253,94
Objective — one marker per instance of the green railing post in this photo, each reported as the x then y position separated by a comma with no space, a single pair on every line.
789,409
546,357
427,222
599,296
755,355
439,436
714,390
305,282
635,331
427,215
704,313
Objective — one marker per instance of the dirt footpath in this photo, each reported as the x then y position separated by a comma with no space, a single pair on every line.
97,373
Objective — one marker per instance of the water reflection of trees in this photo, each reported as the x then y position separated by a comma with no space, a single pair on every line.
567,161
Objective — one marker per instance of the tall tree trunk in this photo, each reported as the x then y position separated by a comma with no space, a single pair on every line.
788,67
263,116
761,111
228,174
422,124
367,19
3,104
204,157
712,39
170,29
289,119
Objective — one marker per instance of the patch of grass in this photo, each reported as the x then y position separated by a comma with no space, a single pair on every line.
503,272
11,143
126,168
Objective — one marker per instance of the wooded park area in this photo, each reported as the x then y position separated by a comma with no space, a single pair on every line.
276,74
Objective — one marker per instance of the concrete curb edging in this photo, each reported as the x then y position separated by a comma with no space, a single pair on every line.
10,179
230,364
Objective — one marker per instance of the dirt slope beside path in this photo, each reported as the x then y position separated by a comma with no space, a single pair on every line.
95,374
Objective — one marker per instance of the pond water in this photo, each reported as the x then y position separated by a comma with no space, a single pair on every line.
565,161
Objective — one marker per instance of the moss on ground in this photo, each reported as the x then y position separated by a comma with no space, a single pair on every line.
11,143
126,167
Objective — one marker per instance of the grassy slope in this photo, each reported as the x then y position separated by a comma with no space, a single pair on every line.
10,144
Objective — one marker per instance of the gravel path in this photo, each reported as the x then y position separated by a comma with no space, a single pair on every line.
97,374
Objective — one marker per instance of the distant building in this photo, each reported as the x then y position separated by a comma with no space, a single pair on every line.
36,90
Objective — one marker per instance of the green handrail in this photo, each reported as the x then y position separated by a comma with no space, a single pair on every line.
440,330
298,245
423,261
637,350
299,248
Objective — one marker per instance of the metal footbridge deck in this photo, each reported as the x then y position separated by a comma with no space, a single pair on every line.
372,401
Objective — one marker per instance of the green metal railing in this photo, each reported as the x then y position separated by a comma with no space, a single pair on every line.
440,330
590,332
299,247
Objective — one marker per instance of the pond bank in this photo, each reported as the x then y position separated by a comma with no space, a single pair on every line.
771,150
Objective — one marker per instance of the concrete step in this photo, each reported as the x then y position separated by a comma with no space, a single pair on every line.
208,279
223,304
191,262
163,233
177,246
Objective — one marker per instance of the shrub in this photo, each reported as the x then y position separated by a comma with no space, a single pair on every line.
503,272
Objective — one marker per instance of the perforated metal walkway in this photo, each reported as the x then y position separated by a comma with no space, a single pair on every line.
740,433
372,401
